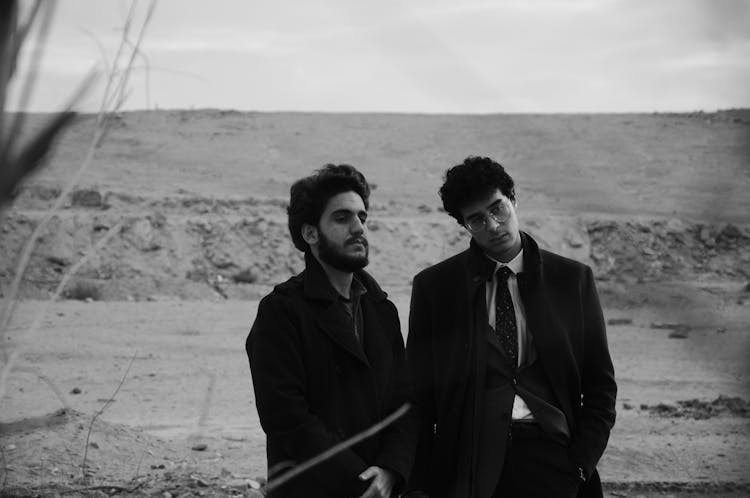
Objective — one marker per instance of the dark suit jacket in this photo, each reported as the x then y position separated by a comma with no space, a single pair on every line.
316,385
446,343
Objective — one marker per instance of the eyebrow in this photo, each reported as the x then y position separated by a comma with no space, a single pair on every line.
349,211
477,213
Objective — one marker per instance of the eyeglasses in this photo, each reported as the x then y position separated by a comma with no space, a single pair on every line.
499,212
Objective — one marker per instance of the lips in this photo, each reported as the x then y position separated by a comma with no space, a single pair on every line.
357,241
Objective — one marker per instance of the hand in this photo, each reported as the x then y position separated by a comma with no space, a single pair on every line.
382,483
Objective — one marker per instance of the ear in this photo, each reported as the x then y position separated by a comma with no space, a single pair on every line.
310,234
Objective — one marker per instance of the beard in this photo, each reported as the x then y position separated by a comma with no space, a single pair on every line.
331,255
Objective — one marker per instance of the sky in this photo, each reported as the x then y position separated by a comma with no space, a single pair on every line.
416,56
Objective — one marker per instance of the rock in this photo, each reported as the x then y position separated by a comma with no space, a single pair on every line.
87,198
57,260
619,321
675,225
199,482
246,276
627,406
666,325
142,235
704,235
199,447
573,239
730,232
94,445
234,437
75,390
678,334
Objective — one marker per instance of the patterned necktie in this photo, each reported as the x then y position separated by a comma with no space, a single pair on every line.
505,316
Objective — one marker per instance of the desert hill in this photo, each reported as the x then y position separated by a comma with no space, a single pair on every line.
195,202
201,195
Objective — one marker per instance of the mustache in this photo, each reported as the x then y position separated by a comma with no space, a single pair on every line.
360,240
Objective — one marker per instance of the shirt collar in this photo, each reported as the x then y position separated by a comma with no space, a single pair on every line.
515,264
356,290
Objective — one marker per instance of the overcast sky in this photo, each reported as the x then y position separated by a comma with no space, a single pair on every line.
433,56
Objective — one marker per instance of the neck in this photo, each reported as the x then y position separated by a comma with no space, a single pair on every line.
506,256
340,280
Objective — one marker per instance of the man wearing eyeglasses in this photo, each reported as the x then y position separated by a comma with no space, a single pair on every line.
508,354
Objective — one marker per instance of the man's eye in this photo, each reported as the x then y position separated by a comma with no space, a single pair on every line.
499,209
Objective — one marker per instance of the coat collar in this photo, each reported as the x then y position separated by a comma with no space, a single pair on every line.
332,319
481,267
317,286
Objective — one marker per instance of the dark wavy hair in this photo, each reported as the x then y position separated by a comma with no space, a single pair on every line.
308,196
475,178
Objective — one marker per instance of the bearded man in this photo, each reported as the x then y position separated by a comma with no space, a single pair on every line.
327,355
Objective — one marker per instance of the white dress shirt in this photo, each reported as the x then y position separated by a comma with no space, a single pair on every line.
520,409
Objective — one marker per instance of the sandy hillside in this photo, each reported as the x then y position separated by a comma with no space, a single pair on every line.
657,204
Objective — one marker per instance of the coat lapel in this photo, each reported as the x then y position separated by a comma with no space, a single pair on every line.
549,337
333,321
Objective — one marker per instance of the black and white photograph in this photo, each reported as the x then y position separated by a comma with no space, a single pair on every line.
359,249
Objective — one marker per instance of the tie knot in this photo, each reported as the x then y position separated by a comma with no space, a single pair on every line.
503,273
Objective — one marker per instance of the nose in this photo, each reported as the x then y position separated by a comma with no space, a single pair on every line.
493,224
358,226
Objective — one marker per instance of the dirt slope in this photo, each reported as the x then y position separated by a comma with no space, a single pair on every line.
657,204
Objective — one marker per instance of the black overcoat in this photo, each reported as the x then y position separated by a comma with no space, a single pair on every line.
316,385
446,344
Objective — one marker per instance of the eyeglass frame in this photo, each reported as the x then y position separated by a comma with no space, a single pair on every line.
507,205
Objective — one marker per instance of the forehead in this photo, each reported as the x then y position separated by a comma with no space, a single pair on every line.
345,201
481,205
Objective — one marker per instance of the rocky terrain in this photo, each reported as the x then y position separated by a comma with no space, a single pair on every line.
657,204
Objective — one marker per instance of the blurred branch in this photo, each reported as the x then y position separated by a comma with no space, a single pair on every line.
334,450
116,89
30,81
14,168
42,313
101,410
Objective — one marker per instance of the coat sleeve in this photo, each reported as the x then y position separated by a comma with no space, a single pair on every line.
419,359
598,387
399,439
277,364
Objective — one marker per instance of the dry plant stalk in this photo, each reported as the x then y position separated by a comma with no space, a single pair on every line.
19,160
114,96
40,315
332,451
101,410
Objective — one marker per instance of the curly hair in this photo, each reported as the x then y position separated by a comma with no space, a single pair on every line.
475,178
310,195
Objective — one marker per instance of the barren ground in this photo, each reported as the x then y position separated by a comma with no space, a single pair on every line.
656,204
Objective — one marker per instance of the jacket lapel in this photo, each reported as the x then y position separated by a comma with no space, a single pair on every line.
548,335
332,320
334,323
